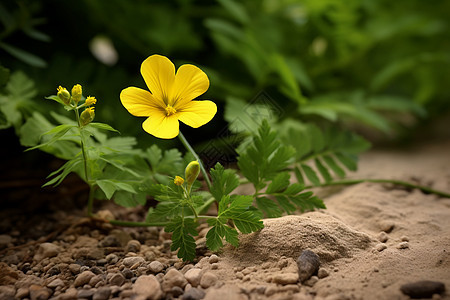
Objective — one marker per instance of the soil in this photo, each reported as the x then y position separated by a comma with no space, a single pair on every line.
371,240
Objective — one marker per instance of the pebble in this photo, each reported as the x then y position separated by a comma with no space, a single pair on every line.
133,246
308,263
38,292
117,279
193,294
423,289
311,281
404,238
83,278
71,293
386,226
173,278
85,293
112,258
176,291
239,275
148,286
208,279
55,283
383,237
74,268
380,247
127,273
95,280
213,259
155,266
403,245
322,273
130,261
21,293
46,250
102,293
7,292
285,278
193,276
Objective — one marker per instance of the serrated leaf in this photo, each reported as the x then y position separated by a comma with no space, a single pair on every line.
334,166
310,174
285,203
218,232
65,170
223,181
348,160
279,183
269,207
323,171
299,176
247,222
183,232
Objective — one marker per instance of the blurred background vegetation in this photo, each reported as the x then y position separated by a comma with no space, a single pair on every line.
379,67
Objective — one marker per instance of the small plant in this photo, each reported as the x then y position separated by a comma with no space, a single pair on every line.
114,169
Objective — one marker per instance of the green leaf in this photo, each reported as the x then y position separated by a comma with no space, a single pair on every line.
348,160
102,126
299,176
279,183
323,171
55,98
183,232
269,207
24,56
65,170
310,174
334,166
223,181
109,187
219,231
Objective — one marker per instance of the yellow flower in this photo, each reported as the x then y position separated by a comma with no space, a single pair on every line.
170,98
77,91
178,180
87,116
90,101
64,95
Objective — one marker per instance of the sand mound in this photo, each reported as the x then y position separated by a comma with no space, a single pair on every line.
290,235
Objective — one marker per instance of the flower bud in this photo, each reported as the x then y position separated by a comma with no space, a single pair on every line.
178,180
64,95
87,116
77,91
191,172
90,101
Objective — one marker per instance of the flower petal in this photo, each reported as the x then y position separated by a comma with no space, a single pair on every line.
159,75
139,102
190,82
161,126
197,113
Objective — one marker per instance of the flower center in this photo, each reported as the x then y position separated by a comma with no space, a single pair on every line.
170,110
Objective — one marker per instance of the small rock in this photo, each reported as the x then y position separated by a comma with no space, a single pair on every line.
95,280
193,294
386,226
311,281
208,279
173,278
176,291
193,276
133,246
74,268
380,247
102,293
403,245
155,266
285,278
213,259
102,262
239,275
46,250
71,293
308,263
21,293
322,273
271,290
112,258
55,283
85,293
7,292
130,261
148,286
96,270
7,274
5,240
127,273
117,279
423,289
383,237
110,241
83,278
38,292
404,238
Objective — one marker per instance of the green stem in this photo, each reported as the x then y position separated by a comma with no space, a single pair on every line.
393,181
190,149
85,163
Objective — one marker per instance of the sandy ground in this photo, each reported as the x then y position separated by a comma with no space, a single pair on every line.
347,235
